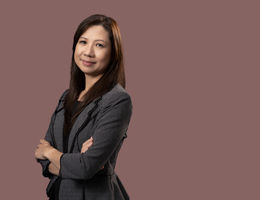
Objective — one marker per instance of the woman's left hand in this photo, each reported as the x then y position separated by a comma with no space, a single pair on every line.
42,149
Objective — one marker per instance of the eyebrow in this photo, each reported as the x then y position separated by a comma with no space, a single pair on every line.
94,40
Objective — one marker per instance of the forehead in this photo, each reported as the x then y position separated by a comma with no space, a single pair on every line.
96,32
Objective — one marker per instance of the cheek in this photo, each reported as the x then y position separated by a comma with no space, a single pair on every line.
76,55
76,58
106,57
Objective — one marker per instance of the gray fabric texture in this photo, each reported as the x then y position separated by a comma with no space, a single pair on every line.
107,120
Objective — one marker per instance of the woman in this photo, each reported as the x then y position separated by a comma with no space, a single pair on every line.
88,127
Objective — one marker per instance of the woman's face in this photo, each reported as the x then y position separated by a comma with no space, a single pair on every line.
92,52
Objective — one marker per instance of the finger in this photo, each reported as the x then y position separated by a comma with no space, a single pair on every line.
36,154
88,141
87,145
85,148
41,145
43,141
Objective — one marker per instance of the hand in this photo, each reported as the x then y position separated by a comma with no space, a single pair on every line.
42,149
53,169
86,145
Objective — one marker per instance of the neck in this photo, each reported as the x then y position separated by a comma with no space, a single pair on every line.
90,81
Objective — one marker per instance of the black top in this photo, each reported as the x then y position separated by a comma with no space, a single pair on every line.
66,131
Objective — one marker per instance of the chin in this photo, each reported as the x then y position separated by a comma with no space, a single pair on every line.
91,73
87,69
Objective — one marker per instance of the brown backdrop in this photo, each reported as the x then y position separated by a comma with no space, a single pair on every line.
193,73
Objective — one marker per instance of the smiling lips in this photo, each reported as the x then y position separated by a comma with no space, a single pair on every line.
87,63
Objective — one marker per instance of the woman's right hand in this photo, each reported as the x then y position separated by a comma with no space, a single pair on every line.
86,145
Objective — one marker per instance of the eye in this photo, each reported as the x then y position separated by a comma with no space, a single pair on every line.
82,42
100,45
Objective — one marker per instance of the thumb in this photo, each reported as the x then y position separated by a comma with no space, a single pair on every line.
43,141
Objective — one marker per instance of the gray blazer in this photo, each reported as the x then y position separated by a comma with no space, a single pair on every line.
106,119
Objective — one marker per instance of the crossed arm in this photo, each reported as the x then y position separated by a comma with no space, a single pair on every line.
110,130
45,151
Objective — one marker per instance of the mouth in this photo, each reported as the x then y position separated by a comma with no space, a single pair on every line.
87,63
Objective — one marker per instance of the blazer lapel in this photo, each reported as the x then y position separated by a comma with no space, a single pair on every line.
81,121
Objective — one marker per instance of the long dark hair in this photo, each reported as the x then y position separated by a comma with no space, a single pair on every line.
113,74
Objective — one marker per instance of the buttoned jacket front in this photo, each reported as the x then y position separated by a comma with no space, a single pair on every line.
106,119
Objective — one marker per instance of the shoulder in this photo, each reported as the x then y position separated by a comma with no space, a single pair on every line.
63,95
115,96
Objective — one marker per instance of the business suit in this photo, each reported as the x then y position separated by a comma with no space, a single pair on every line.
106,119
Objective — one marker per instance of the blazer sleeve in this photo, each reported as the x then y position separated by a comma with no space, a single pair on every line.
110,129
45,163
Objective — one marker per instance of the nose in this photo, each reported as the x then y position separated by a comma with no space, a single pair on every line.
88,51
